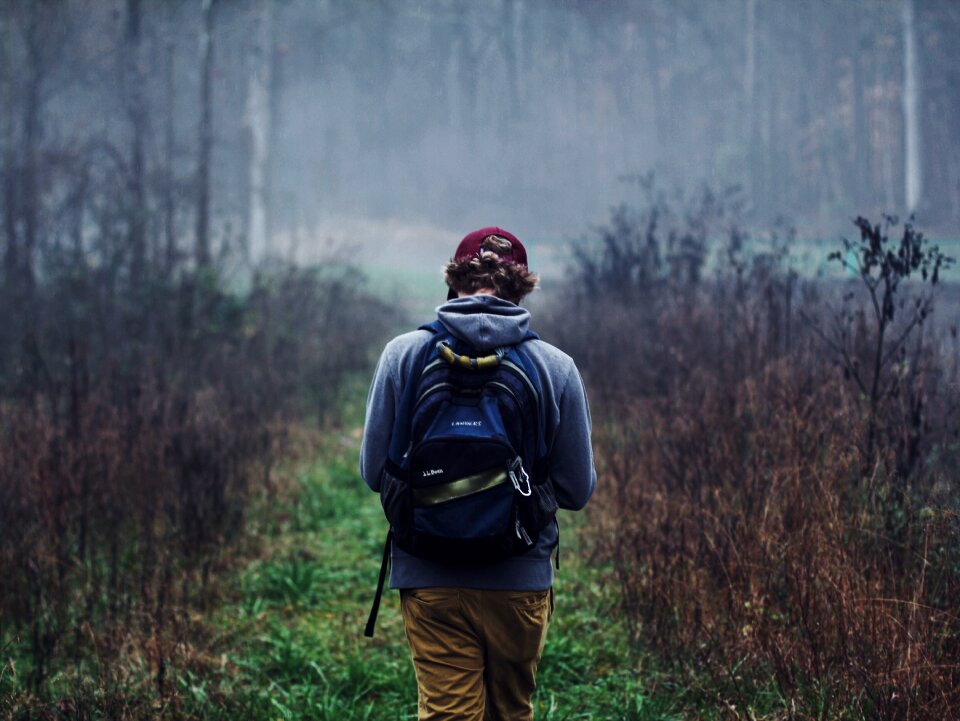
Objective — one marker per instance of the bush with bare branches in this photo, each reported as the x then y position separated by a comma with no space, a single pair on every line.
761,518
134,430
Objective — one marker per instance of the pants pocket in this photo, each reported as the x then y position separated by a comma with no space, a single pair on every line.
529,599
430,596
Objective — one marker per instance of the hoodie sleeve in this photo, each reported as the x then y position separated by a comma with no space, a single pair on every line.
571,455
378,421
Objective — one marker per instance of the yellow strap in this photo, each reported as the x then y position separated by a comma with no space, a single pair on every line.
481,363
458,489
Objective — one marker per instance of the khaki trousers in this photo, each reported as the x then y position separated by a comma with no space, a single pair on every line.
476,652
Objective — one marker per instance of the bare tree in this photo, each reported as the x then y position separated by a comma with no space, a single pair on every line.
10,259
913,172
258,122
206,134
32,131
169,139
136,112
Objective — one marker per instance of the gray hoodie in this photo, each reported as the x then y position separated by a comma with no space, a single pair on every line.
487,322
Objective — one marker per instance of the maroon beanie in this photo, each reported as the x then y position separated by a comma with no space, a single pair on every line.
471,243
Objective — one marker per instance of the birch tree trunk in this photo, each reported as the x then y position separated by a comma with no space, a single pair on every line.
258,127
913,172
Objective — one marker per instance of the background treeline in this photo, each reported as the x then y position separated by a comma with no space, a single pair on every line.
454,112
778,456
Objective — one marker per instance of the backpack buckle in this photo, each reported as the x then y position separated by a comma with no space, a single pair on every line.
519,477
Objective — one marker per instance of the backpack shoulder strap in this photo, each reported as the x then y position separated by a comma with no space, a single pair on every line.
401,427
530,370
400,438
434,326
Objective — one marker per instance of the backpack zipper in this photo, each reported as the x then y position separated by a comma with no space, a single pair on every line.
522,533
507,388
432,389
517,370
431,365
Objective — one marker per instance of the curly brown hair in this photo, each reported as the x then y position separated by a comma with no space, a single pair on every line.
488,270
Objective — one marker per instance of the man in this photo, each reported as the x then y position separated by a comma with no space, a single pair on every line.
477,631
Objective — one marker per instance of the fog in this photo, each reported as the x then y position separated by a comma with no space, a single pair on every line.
214,213
400,125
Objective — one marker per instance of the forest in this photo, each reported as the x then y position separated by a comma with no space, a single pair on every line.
745,215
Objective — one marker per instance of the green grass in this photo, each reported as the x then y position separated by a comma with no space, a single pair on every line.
285,641
292,636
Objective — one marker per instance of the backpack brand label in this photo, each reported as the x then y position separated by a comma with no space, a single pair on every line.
469,424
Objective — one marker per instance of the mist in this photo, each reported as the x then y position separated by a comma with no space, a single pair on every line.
744,215
400,124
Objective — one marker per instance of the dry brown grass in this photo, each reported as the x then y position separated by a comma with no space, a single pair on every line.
128,465
768,522
743,530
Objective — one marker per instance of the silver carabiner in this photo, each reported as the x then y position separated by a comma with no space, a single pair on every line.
523,480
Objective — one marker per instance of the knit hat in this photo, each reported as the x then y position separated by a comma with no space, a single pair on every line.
472,242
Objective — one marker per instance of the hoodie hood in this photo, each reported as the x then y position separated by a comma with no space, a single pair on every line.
485,321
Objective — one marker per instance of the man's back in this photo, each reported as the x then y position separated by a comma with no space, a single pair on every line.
477,631
488,322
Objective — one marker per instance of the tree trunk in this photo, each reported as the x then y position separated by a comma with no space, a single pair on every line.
749,66
206,135
750,125
885,140
468,57
10,200
258,126
953,185
31,139
862,186
133,77
654,69
509,47
913,172
169,139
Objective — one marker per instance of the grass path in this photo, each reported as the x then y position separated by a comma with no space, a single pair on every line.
290,639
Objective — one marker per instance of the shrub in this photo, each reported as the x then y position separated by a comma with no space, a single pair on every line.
134,430
749,534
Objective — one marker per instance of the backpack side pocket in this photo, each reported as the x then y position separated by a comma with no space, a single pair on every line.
541,508
397,502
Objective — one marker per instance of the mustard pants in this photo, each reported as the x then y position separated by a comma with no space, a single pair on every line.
476,652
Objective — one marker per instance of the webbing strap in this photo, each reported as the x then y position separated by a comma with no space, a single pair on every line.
433,495
479,363
557,557
372,620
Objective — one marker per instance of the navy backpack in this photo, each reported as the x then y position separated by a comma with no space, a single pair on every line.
466,481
